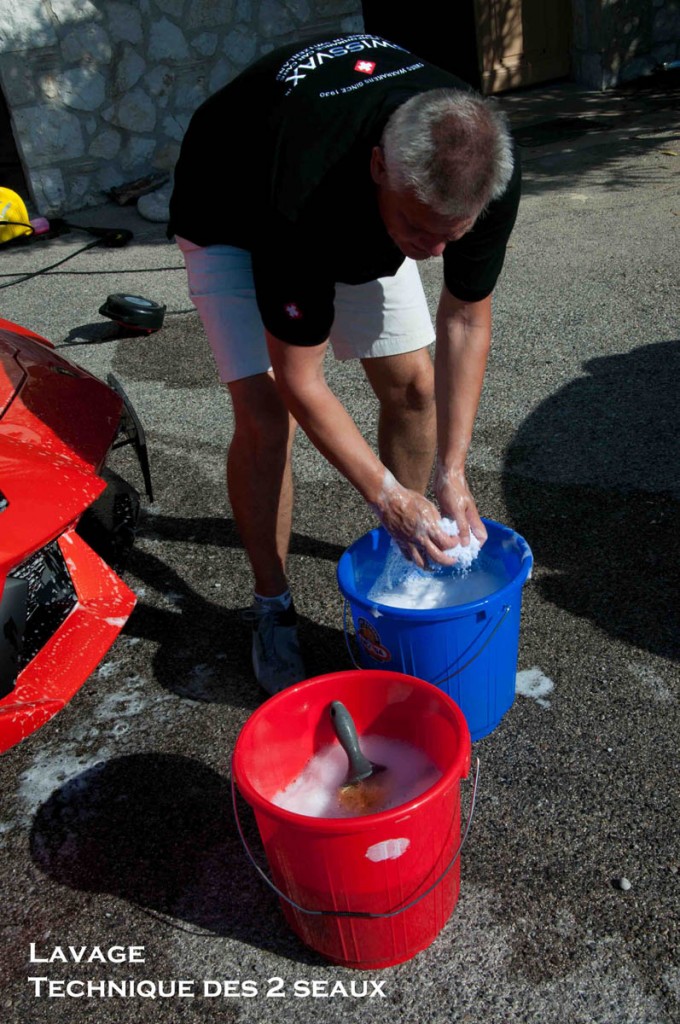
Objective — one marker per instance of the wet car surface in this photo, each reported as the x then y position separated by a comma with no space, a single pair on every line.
65,523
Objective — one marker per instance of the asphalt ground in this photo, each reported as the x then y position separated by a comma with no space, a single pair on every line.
116,826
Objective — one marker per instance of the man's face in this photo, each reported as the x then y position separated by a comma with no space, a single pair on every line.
414,228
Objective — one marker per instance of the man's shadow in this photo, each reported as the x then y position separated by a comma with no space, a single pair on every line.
203,650
592,480
157,830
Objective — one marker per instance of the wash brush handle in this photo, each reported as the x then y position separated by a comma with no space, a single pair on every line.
359,766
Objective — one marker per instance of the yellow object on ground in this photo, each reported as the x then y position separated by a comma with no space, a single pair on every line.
14,219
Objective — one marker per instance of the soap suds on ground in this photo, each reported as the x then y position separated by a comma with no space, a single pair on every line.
533,683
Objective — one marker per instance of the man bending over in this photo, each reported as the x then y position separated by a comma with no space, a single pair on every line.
326,170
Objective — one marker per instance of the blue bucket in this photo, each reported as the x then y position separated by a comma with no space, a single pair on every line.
467,650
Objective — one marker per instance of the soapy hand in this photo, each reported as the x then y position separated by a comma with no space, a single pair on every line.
414,524
456,502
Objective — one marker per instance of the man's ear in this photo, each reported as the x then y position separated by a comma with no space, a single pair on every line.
378,167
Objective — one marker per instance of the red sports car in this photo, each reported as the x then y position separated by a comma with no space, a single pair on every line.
65,520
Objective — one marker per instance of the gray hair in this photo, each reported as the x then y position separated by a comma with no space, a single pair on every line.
451,148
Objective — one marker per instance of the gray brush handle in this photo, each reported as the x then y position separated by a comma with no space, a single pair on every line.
359,766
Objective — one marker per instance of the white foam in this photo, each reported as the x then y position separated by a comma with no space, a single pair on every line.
401,584
315,792
533,683
464,556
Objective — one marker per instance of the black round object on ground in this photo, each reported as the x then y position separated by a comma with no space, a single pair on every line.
134,311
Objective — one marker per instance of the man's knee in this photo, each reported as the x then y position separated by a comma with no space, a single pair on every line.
417,394
403,384
260,417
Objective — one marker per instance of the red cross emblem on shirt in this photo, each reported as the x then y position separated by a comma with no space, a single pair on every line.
367,67
293,311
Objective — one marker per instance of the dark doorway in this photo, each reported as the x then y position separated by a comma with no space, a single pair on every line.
441,34
11,171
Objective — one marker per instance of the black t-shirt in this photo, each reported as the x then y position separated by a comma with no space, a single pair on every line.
279,160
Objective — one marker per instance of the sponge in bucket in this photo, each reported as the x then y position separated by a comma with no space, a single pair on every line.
403,584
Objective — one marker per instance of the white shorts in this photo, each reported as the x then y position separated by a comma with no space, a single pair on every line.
381,318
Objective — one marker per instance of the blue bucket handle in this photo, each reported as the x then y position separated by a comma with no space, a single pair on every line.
504,613
346,632
353,913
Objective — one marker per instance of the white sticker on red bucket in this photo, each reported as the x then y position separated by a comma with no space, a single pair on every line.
390,849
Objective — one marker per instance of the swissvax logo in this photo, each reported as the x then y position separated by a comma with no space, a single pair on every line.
313,57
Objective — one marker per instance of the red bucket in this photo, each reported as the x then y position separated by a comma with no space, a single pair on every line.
368,891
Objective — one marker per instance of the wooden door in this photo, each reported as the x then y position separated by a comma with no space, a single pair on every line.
521,42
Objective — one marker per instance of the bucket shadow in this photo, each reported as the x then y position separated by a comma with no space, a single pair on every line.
591,480
157,831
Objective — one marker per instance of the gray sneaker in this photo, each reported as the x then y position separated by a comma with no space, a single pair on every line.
277,661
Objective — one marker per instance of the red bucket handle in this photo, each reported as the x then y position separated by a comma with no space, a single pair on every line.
354,913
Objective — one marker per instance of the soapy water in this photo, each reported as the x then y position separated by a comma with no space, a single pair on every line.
315,792
399,583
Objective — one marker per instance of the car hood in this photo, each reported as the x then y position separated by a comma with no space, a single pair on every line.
57,423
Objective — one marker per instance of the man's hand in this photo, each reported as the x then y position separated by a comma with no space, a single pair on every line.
413,523
456,502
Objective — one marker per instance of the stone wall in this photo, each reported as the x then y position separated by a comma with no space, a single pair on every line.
101,91
616,41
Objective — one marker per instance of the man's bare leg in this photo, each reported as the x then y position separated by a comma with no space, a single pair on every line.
407,431
259,479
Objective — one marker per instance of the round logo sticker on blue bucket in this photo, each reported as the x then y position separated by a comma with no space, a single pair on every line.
369,638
